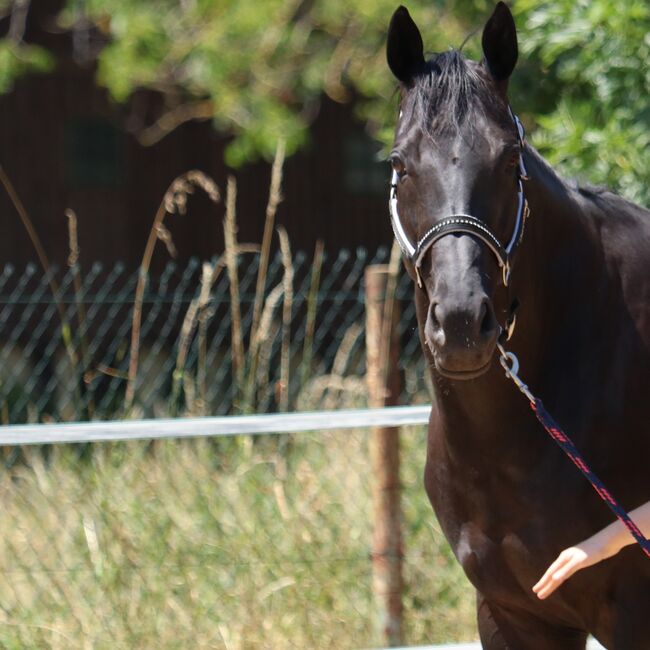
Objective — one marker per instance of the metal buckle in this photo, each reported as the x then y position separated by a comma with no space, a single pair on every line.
510,326
523,172
505,270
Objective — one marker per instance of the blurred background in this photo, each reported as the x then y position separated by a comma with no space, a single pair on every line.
191,193
106,101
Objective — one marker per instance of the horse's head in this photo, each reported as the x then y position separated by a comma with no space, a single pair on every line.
457,201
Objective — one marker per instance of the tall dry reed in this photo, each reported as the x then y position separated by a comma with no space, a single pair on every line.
287,308
66,334
197,313
231,255
174,202
275,198
75,269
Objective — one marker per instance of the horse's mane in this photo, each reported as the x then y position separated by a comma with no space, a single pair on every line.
608,200
598,196
450,89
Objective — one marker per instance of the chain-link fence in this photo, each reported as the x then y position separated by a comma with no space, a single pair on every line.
65,356
246,542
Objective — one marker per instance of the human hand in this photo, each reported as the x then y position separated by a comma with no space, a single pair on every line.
567,563
600,546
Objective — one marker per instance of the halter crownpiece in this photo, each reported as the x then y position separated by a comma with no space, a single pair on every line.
466,223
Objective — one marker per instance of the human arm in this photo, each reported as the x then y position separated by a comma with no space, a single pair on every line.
598,547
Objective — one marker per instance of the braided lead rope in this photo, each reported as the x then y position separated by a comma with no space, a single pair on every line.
510,364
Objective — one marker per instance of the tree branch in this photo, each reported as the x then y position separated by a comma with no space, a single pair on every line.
201,110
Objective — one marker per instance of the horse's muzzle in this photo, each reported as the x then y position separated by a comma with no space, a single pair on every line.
462,338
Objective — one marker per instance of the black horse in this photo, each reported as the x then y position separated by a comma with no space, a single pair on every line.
507,498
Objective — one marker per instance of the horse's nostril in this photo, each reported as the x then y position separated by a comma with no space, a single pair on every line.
487,319
435,319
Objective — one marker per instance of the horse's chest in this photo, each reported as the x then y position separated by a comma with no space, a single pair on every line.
499,569
490,520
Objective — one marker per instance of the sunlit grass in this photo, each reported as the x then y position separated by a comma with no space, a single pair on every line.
244,543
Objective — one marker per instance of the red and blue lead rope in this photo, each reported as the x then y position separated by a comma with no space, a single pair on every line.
570,450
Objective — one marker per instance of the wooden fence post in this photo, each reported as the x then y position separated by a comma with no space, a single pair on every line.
382,355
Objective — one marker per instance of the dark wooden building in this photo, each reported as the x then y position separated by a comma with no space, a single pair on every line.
65,144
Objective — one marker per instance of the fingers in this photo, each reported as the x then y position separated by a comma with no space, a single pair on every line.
548,583
566,564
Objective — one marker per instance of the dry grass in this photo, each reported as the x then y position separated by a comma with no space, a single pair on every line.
203,545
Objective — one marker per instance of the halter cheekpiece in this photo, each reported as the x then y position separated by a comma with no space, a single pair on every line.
466,223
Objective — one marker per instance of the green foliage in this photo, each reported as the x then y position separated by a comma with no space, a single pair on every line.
262,66
259,69
17,59
596,55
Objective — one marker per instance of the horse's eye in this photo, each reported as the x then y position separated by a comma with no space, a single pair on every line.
398,165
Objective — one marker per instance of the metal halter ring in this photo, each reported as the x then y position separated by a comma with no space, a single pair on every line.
510,364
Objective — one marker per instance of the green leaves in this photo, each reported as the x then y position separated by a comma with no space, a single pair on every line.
597,54
17,58
260,69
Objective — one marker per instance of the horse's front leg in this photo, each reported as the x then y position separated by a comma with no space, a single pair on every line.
489,632
501,629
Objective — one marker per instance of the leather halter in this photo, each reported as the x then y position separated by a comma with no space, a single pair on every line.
466,223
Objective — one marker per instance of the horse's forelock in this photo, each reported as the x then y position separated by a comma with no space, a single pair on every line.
448,91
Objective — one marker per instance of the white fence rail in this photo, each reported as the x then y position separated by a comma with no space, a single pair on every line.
39,434
592,644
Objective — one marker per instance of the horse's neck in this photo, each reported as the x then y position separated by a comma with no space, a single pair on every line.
561,262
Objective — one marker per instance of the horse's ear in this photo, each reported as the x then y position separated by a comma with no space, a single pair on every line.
500,43
404,48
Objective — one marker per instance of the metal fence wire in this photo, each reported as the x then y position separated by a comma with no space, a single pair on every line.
65,356
233,543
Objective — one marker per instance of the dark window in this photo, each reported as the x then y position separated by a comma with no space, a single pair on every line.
93,154
364,171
